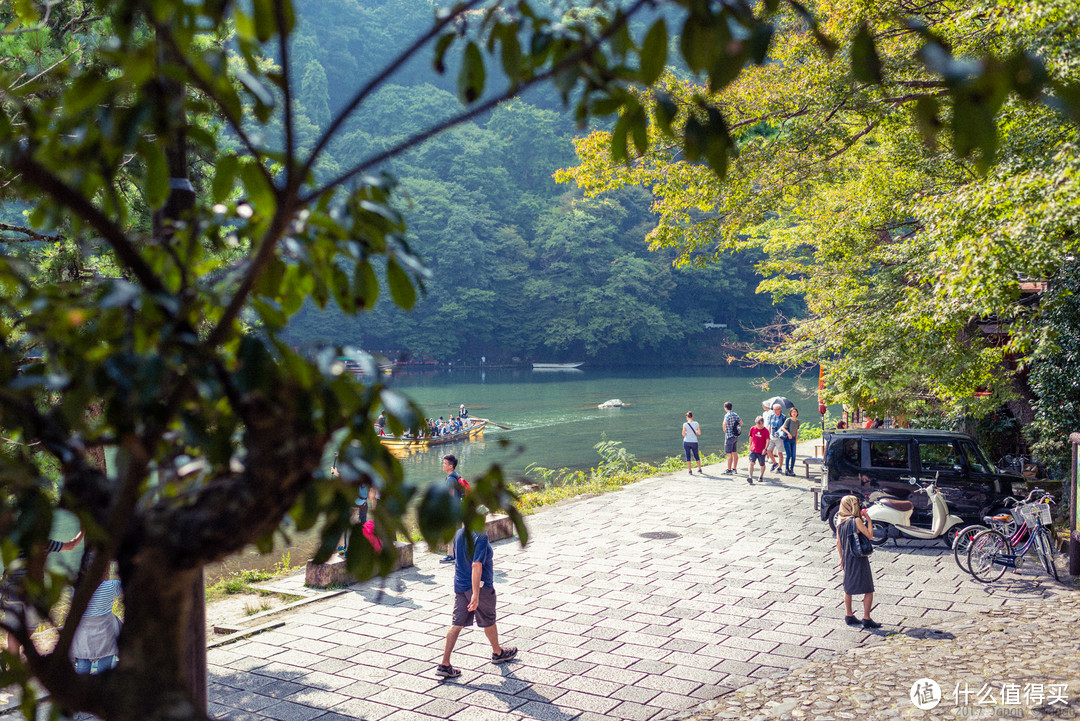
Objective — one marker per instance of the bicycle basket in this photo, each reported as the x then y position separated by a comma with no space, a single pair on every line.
1033,513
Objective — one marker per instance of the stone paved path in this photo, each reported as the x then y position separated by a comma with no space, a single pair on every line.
741,585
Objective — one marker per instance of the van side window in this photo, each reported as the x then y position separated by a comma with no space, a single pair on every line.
938,455
850,451
975,457
888,454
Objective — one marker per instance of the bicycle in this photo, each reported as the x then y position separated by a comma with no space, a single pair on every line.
991,553
1006,523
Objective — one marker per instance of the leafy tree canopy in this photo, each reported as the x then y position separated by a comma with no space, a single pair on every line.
905,185
191,208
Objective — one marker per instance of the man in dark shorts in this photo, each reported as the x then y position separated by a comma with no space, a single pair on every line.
474,599
732,429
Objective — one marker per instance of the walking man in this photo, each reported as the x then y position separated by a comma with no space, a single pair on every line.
453,485
474,599
732,429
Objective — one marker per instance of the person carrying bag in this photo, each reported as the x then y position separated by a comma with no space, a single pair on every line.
854,529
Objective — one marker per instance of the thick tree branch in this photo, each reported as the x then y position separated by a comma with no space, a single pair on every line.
207,88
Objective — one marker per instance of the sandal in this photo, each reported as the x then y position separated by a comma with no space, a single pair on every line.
447,671
503,656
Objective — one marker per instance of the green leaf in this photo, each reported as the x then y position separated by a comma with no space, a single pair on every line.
443,44
654,52
666,112
288,15
699,41
365,285
760,40
471,76
927,119
263,12
511,54
402,289
865,62
25,11
157,176
1028,75
258,191
224,178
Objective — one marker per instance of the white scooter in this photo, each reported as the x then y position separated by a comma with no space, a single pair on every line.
892,517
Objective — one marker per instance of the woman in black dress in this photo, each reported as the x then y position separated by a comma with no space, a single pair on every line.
857,577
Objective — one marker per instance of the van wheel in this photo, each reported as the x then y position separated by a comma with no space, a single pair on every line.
831,517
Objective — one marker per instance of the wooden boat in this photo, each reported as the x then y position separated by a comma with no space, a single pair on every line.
556,366
408,445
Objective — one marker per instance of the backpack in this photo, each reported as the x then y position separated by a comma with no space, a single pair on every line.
736,428
463,485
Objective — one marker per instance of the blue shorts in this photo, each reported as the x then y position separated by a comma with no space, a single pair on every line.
689,448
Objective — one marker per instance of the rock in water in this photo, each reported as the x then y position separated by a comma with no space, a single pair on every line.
613,403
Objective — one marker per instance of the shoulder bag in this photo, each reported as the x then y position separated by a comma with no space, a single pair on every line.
860,544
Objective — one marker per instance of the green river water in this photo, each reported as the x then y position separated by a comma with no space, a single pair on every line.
555,422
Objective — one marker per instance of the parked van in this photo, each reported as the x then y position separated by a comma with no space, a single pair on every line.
883,462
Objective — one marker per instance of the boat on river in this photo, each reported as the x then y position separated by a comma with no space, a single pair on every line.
408,445
556,366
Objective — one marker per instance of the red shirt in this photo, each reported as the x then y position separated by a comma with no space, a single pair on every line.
759,437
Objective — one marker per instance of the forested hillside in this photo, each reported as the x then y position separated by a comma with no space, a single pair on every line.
520,266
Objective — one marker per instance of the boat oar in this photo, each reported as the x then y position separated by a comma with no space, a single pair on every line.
505,428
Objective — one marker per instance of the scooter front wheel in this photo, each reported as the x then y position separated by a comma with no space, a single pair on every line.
881,532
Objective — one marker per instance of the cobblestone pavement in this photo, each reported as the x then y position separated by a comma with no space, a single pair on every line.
639,604
1000,663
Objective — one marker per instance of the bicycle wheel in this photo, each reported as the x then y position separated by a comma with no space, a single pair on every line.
962,542
1046,552
984,553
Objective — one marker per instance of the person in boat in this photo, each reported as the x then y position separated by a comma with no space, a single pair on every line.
464,412
380,424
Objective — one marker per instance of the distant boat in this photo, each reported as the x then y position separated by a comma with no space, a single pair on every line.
556,366
407,445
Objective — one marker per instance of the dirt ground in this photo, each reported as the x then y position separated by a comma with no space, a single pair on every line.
236,609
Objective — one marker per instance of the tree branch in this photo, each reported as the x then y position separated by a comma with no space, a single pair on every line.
511,92
378,80
42,178
163,32
286,89
30,234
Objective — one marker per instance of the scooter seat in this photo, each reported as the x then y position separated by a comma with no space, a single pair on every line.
897,505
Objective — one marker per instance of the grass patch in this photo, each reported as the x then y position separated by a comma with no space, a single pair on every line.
241,582
618,468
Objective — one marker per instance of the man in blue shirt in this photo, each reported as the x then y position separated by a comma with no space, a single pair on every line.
474,599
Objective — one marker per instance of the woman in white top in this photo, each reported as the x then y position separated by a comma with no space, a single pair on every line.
691,430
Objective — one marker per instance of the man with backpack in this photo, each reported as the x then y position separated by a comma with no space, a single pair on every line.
732,429
456,486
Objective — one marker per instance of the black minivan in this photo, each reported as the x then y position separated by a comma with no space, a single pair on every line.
882,462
